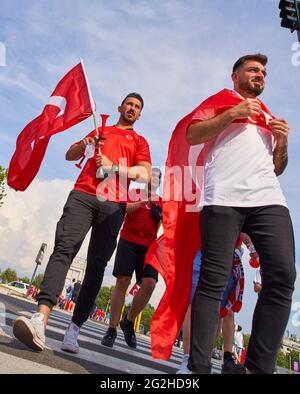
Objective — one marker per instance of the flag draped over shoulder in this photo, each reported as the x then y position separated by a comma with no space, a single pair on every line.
68,105
173,253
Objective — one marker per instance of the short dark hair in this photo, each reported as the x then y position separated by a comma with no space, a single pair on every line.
257,56
156,169
135,95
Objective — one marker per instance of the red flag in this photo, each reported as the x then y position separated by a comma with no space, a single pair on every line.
69,104
134,290
173,253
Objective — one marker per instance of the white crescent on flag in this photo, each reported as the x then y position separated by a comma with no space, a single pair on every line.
59,102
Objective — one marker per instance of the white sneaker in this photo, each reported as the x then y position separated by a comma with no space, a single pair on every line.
31,332
183,368
70,343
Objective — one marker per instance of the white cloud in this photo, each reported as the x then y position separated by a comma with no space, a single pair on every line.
29,218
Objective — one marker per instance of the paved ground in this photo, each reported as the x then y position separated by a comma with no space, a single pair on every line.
93,358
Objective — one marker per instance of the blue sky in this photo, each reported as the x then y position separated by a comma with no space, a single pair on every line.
175,53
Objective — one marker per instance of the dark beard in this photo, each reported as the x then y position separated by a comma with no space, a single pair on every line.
128,121
257,90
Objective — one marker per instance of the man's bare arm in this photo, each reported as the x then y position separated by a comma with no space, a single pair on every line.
76,151
280,130
205,130
140,173
280,159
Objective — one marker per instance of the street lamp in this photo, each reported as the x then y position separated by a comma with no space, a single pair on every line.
38,260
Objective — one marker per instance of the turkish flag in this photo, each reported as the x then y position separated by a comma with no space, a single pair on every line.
173,253
68,105
134,290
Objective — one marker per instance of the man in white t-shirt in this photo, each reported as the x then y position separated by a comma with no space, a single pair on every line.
257,282
238,342
245,150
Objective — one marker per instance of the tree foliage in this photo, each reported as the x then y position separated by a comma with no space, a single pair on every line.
3,176
104,296
25,280
38,280
219,342
9,275
147,315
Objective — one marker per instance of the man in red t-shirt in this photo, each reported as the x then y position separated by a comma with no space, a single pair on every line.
124,156
140,229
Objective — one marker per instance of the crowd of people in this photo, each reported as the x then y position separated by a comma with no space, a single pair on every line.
245,151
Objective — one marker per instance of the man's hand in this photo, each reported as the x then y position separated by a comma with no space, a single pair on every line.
88,140
246,108
280,130
104,162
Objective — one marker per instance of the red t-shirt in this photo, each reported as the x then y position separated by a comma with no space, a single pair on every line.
139,226
122,147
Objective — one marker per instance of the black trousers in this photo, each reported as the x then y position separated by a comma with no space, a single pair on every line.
81,212
271,231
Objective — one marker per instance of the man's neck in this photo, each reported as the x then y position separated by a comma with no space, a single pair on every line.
124,125
245,94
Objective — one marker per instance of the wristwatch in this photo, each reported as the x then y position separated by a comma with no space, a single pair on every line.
114,168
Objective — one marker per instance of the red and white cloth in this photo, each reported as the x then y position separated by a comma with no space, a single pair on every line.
69,104
235,299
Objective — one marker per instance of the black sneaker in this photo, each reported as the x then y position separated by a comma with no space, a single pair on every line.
128,330
109,337
229,367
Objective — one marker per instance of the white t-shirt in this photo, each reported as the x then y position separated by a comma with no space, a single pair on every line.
239,169
238,339
257,277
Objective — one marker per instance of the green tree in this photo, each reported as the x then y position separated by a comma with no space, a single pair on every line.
38,280
294,357
25,280
282,360
9,275
219,342
104,296
147,315
3,176
246,341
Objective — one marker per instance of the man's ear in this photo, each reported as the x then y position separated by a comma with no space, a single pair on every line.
234,76
119,108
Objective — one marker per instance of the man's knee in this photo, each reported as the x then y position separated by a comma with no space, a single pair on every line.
288,276
123,282
148,284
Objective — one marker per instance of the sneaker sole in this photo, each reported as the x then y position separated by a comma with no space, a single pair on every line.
107,344
24,332
128,344
69,348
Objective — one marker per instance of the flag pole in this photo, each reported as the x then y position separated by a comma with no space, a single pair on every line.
91,99
100,173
